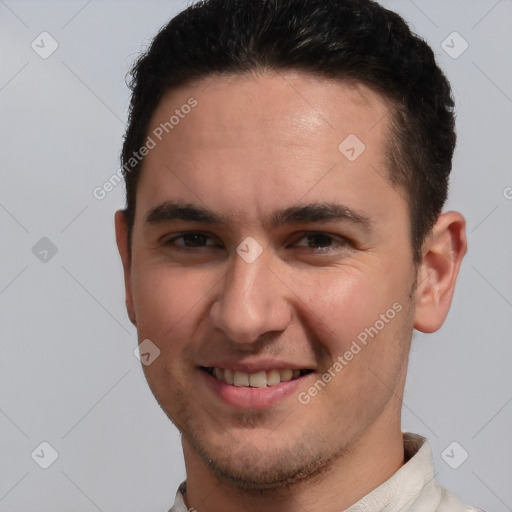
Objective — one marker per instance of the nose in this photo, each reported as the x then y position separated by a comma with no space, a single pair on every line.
251,302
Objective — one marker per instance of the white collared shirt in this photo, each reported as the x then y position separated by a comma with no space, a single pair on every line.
411,489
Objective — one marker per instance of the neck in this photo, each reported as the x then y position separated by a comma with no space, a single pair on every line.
373,459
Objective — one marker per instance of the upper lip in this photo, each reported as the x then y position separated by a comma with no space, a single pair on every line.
255,366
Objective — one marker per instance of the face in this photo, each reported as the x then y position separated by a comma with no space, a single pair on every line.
271,265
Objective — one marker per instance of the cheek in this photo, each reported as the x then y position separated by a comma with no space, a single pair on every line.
165,299
363,330
344,302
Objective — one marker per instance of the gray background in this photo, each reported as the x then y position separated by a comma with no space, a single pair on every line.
67,372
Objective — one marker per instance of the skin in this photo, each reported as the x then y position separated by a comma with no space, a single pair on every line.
252,145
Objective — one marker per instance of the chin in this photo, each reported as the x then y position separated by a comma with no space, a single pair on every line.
244,466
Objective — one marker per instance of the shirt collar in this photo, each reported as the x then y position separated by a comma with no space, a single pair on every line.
413,484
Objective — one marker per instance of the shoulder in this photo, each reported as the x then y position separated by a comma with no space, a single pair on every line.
450,503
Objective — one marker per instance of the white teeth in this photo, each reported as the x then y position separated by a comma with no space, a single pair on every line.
273,377
228,376
241,379
256,380
286,375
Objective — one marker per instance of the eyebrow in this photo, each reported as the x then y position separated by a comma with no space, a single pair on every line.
319,212
170,211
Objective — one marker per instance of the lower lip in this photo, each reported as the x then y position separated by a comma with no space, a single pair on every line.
251,398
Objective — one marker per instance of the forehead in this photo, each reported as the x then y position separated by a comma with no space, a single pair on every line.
262,140
285,106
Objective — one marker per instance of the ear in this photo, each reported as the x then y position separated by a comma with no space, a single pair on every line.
126,257
443,251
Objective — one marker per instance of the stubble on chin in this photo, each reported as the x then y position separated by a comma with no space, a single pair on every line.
240,464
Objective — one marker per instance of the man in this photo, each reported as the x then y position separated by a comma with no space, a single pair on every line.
286,165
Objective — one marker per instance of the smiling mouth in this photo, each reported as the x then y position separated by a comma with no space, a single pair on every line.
255,380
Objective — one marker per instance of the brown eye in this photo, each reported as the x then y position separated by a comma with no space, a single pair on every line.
322,241
319,240
190,240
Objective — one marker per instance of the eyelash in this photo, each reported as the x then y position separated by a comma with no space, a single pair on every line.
342,241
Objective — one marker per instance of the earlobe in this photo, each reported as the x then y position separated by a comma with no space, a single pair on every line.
123,247
443,252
